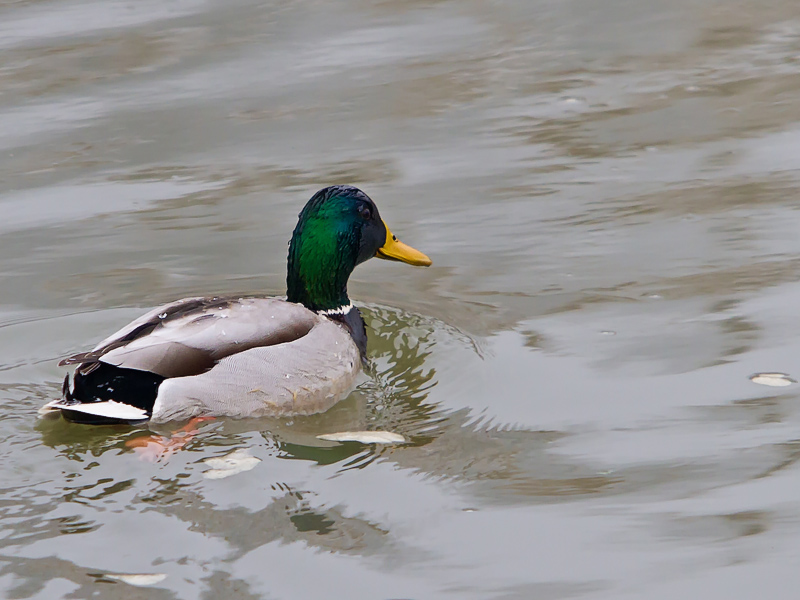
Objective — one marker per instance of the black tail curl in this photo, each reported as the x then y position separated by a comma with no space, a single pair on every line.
66,394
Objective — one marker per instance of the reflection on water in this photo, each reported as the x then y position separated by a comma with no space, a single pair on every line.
500,463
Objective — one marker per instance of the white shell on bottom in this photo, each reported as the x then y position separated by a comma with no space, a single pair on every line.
772,379
364,437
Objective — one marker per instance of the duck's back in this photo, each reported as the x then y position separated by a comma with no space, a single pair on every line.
304,376
235,357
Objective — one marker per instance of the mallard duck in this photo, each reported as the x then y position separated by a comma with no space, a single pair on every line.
246,356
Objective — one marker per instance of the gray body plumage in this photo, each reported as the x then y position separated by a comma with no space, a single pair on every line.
235,357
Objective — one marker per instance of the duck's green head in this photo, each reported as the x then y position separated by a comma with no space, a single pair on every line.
338,229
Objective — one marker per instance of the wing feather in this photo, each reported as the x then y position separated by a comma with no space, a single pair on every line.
189,336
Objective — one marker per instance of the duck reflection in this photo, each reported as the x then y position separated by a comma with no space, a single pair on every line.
291,515
490,464
500,463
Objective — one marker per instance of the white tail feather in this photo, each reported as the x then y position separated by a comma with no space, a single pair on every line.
110,409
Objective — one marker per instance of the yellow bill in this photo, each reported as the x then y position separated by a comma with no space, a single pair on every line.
394,249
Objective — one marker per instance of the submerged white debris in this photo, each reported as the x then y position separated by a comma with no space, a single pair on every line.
49,408
137,579
238,461
772,379
365,437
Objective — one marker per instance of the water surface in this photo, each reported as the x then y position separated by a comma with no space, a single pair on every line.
608,192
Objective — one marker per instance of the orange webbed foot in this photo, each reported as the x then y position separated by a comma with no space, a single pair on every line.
154,448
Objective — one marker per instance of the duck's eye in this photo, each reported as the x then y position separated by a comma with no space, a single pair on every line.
365,212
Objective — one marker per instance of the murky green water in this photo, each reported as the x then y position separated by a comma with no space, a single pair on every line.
609,192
